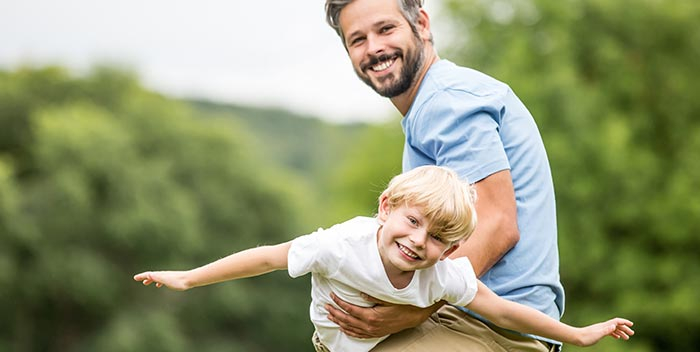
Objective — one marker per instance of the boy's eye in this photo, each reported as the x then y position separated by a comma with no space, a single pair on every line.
436,236
413,221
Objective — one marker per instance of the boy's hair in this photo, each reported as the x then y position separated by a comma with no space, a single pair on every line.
446,200
409,8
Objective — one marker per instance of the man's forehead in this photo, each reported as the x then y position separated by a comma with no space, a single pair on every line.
362,14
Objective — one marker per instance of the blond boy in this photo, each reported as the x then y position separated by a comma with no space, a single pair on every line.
400,256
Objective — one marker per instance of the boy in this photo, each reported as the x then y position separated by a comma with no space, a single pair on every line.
400,257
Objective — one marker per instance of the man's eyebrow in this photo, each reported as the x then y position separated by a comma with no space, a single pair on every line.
374,26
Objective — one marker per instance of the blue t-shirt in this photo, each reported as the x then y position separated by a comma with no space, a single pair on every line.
474,124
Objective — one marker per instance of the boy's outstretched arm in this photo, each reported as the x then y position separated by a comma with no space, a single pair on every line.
247,263
518,317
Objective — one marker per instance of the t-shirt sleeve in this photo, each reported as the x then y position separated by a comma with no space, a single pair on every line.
319,252
462,286
462,133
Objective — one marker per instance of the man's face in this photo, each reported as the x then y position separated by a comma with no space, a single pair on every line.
384,51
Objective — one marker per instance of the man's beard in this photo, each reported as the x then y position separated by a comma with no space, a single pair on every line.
412,62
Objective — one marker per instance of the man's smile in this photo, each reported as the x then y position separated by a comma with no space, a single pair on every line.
382,65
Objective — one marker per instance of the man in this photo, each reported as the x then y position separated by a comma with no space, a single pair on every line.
474,124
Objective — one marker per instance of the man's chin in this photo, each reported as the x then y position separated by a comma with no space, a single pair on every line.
389,91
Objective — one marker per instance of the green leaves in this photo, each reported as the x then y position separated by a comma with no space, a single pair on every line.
611,95
106,180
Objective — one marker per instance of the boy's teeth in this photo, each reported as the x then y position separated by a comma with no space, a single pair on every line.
408,252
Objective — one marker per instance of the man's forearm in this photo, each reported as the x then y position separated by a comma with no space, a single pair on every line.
497,225
485,250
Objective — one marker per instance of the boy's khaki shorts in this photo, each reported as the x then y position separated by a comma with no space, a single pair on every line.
450,329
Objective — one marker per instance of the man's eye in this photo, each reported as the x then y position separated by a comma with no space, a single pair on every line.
356,41
386,29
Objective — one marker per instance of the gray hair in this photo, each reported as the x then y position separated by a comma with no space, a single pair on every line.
409,8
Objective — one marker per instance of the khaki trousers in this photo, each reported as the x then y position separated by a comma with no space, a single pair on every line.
450,329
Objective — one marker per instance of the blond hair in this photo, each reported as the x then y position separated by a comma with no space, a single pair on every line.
445,200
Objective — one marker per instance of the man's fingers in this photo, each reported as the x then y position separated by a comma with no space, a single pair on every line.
347,307
374,300
355,333
341,318
346,322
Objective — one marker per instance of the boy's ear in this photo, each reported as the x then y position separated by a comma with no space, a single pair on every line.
449,251
384,208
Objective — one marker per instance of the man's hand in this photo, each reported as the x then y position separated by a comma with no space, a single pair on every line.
382,319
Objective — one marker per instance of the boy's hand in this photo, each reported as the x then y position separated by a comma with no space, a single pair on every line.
175,280
618,328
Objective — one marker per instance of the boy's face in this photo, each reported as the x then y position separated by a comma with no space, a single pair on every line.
383,49
405,243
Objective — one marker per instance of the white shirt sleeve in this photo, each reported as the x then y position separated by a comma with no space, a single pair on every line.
461,282
319,252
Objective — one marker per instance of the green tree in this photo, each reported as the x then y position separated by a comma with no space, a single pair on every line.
356,184
610,84
100,179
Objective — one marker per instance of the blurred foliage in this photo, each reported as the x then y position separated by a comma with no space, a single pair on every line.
100,178
610,84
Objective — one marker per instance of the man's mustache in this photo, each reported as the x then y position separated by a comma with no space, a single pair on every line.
375,59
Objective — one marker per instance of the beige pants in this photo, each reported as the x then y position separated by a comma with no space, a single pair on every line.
318,345
450,329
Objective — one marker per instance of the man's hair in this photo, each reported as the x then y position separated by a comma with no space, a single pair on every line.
445,200
409,8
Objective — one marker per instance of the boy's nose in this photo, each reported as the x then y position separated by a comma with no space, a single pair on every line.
418,237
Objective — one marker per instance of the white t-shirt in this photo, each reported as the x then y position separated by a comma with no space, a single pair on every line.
345,260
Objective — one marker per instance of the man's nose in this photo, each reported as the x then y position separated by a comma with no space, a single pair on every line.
375,45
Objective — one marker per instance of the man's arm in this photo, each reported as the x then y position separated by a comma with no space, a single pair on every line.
381,320
497,227
518,317
247,263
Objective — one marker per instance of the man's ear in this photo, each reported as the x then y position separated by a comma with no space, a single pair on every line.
424,25
384,208
449,251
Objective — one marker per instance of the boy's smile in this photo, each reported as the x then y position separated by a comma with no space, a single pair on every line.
406,244
409,253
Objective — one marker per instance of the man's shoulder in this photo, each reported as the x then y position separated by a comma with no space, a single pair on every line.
446,76
451,90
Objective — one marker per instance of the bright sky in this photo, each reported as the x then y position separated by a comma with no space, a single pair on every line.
277,53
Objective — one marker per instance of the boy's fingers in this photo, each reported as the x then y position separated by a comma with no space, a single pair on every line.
142,276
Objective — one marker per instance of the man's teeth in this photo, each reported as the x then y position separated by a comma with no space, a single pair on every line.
382,65
408,252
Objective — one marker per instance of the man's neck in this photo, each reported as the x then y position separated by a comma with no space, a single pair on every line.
404,101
